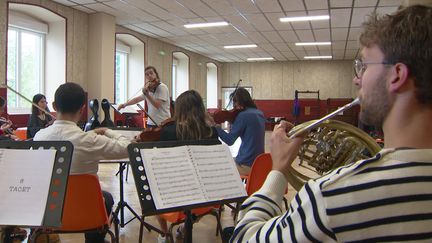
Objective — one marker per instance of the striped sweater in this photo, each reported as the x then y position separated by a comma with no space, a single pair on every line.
385,198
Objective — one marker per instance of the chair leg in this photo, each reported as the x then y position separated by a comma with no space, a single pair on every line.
141,232
112,236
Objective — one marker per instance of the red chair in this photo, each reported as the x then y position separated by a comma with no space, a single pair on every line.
84,209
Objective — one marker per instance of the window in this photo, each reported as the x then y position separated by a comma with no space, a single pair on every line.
25,66
129,68
180,72
121,76
211,85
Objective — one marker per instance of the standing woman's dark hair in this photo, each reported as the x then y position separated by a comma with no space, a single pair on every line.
38,119
36,100
243,98
190,116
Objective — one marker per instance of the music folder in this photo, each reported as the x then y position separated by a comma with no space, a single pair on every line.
131,109
181,175
33,181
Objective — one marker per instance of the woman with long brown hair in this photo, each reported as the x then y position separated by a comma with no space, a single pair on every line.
191,122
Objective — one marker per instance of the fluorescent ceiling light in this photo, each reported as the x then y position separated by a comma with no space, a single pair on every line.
304,18
318,57
260,59
240,46
313,43
204,25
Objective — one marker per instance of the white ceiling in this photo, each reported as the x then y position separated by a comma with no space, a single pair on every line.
252,22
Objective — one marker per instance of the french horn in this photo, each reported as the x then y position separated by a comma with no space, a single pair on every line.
329,145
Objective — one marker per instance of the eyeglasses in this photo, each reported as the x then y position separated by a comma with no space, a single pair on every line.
360,66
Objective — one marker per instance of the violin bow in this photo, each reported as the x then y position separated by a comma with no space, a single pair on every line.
142,108
231,97
31,102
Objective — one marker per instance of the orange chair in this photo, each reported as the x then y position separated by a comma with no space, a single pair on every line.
84,209
21,133
261,167
176,218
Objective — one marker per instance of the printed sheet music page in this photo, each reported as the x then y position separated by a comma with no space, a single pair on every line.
191,174
24,185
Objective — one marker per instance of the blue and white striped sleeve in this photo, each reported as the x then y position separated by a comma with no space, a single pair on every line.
261,218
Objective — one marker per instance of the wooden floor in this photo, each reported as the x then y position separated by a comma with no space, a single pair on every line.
203,231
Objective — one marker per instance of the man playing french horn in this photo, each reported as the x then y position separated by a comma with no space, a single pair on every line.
387,197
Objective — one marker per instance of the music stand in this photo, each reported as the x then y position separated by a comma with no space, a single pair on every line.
59,177
144,191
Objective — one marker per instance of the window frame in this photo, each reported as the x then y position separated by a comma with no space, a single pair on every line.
126,85
18,108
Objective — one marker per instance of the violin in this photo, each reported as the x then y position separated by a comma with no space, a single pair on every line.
6,121
153,133
221,116
151,86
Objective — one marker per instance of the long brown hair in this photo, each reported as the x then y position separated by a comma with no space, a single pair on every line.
190,116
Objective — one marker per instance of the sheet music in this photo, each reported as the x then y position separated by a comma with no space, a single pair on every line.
217,172
130,134
24,185
191,174
128,109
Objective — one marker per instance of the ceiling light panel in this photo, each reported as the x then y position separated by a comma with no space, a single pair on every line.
260,59
304,18
206,25
240,46
317,57
313,43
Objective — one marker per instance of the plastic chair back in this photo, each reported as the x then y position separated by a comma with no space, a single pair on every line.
261,167
84,206
21,133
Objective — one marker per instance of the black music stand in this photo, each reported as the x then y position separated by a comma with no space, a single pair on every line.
122,204
147,204
59,177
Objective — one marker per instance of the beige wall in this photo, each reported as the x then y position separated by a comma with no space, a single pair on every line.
101,48
279,80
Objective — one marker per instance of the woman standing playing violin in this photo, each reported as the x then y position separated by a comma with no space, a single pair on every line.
38,119
249,125
157,97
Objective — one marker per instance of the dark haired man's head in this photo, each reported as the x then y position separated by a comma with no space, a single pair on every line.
242,98
69,98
